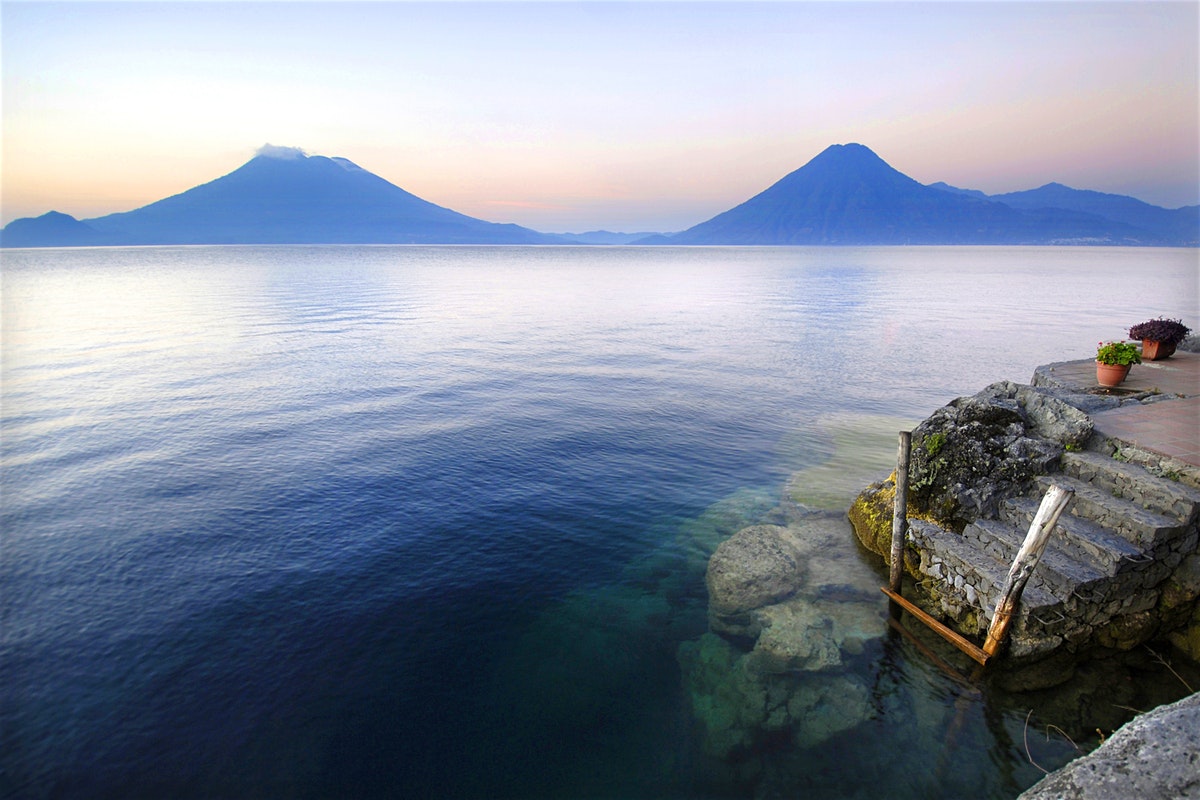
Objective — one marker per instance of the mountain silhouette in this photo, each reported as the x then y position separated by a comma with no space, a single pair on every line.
849,195
52,229
1178,225
846,195
283,196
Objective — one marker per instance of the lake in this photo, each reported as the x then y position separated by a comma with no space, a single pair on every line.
432,521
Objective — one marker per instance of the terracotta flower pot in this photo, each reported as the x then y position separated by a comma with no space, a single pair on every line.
1153,350
1111,374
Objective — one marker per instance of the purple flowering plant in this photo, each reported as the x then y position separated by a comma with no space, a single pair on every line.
1167,331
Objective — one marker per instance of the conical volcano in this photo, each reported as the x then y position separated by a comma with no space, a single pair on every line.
283,195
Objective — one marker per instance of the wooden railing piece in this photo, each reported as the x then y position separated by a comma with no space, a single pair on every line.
1053,504
970,648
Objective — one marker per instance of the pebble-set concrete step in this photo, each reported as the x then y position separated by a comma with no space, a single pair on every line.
1081,538
1144,528
1058,572
1125,530
1162,495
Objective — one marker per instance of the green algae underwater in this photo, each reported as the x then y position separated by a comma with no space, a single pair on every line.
873,709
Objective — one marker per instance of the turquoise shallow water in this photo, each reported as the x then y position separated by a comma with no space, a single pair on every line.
432,522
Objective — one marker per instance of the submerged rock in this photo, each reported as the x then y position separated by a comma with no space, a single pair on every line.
788,605
804,634
739,710
795,636
1179,607
862,447
755,567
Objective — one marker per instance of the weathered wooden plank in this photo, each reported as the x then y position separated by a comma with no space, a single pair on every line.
936,625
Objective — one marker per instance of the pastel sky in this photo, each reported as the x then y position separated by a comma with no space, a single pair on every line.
583,115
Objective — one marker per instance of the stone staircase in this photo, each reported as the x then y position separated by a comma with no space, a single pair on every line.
1102,572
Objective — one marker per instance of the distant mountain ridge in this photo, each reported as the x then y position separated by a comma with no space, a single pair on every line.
1175,225
846,195
52,229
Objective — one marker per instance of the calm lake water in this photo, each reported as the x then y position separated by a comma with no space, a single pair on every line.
432,521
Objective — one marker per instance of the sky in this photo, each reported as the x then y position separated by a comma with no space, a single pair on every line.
576,116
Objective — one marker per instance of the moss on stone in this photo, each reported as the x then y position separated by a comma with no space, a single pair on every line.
1128,631
871,515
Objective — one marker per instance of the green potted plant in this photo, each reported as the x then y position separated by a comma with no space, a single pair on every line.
1113,360
1159,337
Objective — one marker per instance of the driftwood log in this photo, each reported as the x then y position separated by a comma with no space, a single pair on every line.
1053,504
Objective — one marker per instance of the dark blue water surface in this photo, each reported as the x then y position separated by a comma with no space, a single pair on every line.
432,521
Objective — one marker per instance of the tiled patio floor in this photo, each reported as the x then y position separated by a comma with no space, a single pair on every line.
1168,426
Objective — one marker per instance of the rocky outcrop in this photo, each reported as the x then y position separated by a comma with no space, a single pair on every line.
1119,570
970,455
871,516
1156,756
974,452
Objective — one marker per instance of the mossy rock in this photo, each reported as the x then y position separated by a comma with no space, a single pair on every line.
871,515
1128,631
971,454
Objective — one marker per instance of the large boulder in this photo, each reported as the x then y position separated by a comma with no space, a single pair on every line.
813,635
787,606
1049,417
871,516
1156,755
970,455
976,451
755,567
795,635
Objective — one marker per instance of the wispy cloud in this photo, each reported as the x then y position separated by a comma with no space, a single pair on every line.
276,151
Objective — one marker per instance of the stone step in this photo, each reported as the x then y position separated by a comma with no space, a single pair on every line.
1081,538
1057,572
1134,483
1145,529
1155,463
963,568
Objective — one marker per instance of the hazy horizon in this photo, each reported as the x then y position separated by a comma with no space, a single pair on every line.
583,116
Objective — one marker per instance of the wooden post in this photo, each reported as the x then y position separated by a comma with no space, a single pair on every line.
900,513
1053,504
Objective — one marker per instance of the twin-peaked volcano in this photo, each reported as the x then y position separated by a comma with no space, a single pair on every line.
849,195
